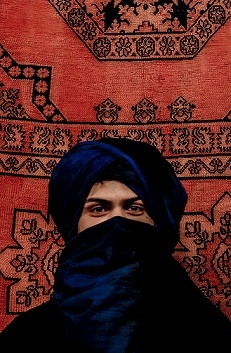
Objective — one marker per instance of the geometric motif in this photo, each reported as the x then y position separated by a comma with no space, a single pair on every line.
32,261
140,29
205,251
41,77
196,150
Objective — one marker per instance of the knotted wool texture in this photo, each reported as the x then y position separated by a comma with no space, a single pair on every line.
155,71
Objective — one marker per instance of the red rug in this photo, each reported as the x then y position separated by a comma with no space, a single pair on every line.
157,71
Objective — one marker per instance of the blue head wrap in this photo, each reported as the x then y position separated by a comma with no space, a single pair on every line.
104,279
77,171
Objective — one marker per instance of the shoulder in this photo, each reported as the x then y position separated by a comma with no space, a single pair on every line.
41,326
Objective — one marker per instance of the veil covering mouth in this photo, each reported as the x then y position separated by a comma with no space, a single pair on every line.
104,281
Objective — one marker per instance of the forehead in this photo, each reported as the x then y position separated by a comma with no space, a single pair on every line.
111,190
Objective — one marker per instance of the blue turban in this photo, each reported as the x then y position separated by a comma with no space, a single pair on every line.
77,171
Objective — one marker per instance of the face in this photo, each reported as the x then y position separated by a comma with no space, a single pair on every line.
108,199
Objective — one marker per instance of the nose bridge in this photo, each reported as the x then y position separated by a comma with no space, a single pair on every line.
117,211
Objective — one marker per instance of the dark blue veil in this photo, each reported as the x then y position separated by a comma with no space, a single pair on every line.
105,275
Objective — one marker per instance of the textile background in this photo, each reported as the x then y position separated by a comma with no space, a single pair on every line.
157,71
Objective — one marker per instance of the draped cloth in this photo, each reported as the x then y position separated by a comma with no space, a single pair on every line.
73,177
105,272
117,288
100,285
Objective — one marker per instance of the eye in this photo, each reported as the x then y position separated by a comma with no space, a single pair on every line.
97,209
136,209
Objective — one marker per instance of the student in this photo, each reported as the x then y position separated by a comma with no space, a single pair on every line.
118,204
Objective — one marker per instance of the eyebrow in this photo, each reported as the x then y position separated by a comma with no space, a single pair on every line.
104,201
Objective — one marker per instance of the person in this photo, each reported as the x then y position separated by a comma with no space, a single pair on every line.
118,205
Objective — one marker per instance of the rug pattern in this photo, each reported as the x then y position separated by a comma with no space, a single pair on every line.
134,30
36,128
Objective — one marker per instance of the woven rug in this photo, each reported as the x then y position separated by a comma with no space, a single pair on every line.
157,71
